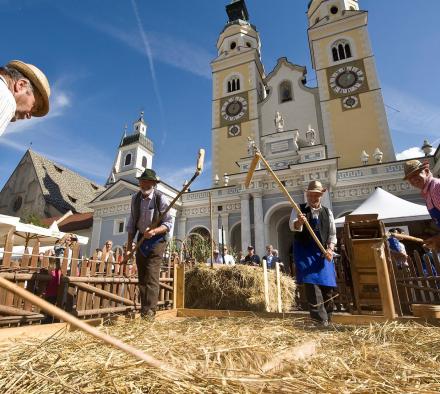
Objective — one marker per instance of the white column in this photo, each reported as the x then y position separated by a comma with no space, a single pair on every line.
225,224
258,224
245,222
181,228
96,233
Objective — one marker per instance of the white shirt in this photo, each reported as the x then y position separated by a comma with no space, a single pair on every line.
7,105
229,260
315,214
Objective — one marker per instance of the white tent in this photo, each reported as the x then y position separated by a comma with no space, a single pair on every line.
389,208
26,233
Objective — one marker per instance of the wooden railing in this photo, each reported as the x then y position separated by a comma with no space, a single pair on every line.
95,287
418,281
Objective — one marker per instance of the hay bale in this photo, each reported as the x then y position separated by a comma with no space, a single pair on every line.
228,356
238,287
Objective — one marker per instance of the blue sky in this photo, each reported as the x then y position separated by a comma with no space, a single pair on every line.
107,60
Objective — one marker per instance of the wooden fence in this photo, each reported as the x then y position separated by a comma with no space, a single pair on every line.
418,281
95,287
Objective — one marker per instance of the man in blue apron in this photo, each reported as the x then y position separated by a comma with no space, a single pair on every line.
312,269
419,176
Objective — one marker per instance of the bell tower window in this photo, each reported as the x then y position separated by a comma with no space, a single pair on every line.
144,162
127,160
341,50
285,91
233,84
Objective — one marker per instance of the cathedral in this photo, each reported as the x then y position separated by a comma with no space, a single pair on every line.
336,132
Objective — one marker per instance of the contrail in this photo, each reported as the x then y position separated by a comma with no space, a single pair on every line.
149,54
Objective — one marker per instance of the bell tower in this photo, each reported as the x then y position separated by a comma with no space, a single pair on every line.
237,81
135,153
351,99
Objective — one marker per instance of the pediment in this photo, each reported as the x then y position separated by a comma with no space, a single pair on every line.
118,190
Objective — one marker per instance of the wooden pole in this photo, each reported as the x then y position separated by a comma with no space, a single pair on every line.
64,316
266,286
383,279
211,222
278,277
292,202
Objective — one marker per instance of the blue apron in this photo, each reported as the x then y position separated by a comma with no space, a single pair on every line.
311,266
435,213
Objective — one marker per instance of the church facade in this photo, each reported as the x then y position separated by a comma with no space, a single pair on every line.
336,132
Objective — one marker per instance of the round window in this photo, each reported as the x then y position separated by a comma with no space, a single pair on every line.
334,10
17,203
248,44
233,45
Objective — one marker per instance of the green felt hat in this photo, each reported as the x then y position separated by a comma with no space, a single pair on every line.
149,175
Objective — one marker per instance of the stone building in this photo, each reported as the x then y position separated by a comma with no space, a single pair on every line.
45,189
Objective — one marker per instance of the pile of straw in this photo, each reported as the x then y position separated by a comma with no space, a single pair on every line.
238,287
227,356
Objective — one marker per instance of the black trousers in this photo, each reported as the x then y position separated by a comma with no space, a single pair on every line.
148,276
320,302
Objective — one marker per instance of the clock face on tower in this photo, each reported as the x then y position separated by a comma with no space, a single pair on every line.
346,80
234,108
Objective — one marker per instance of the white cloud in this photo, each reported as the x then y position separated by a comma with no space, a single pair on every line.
164,48
410,153
411,114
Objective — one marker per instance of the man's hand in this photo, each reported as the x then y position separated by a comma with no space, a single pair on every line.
329,254
300,220
433,242
149,233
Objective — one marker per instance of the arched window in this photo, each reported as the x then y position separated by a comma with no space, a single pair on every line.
144,162
285,91
127,160
233,84
341,50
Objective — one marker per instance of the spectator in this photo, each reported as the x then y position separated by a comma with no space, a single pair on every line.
251,258
217,258
269,257
229,259
397,249
51,293
107,250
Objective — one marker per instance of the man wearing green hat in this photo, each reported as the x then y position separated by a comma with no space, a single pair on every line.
146,207
24,92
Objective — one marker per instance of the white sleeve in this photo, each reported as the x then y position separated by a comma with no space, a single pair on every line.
292,220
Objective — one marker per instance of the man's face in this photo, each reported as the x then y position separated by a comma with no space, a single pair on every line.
419,179
314,199
250,252
109,245
146,186
269,249
25,100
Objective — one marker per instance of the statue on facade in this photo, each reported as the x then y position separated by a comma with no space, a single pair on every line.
311,136
295,140
364,158
378,155
279,122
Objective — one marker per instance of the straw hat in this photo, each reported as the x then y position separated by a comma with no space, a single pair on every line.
411,167
149,175
316,187
39,81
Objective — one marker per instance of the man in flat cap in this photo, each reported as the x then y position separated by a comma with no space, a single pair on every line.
420,176
146,207
315,271
24,92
